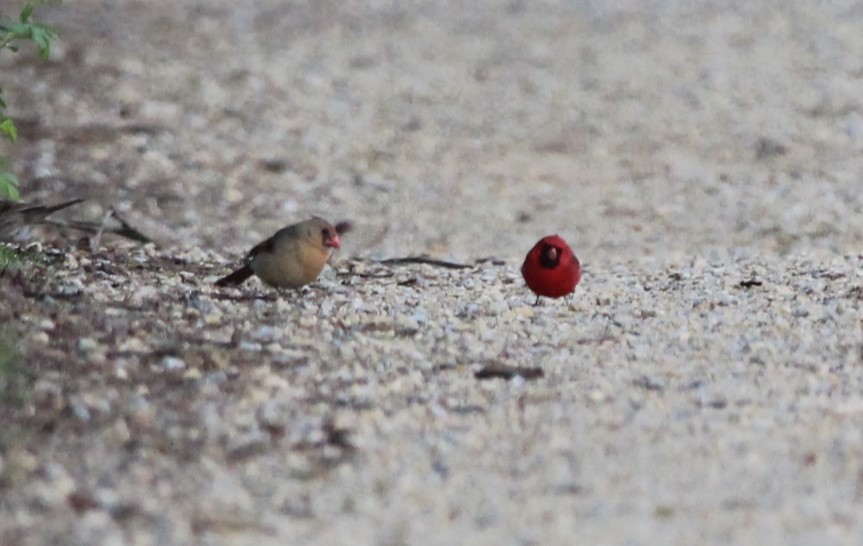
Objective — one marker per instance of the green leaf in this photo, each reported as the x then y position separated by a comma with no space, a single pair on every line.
9,185
8,129
26,12
21,30
43,36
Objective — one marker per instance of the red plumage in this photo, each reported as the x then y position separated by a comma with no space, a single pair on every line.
551,269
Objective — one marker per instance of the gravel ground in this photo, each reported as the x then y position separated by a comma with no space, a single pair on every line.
704,387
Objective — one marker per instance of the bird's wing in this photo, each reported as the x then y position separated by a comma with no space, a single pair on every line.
264,247
285,236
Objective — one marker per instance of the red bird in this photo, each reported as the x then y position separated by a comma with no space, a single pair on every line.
551,269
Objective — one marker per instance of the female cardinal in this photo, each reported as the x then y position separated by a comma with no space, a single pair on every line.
291,258
551,269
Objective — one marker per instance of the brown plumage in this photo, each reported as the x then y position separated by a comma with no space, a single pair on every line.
16,216
291,258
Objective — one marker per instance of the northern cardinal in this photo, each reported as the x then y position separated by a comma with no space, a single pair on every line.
291,258
551,269
14,217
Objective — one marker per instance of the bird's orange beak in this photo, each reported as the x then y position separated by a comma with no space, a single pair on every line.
333,242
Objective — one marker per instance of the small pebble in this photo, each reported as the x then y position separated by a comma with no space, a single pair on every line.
172,364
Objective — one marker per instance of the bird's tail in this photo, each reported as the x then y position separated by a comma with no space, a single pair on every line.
237,277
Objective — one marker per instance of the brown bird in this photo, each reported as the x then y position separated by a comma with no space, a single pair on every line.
291,258
15,217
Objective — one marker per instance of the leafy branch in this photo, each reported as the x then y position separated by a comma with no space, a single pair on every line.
24,30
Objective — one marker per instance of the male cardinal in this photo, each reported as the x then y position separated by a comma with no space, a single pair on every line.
291,258
15,217
551,269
